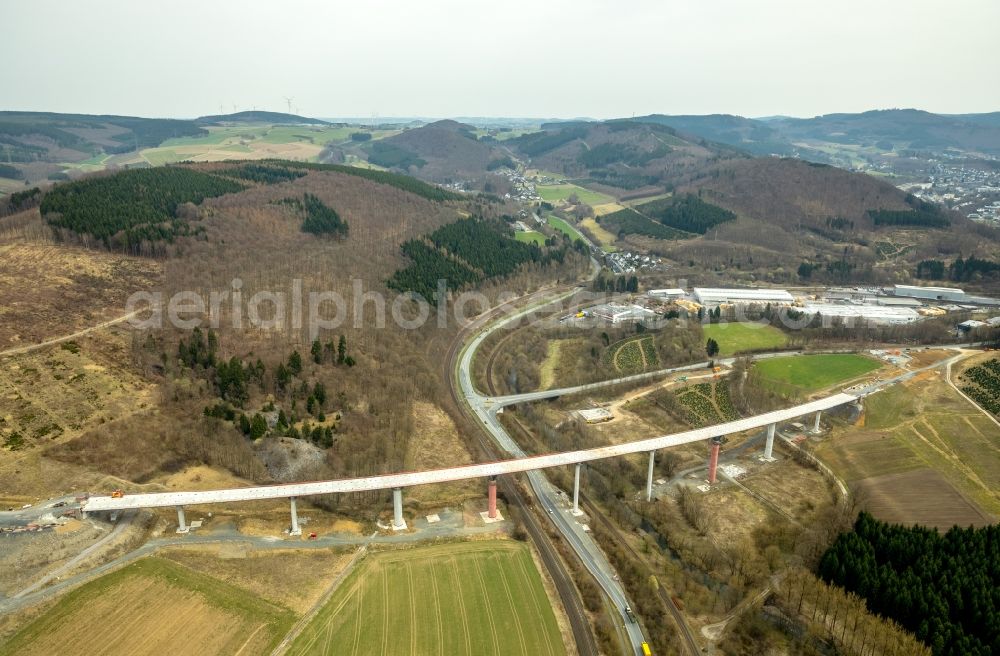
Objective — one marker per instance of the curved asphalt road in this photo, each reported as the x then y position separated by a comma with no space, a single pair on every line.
548,495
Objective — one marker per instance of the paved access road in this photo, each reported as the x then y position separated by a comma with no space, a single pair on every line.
583,544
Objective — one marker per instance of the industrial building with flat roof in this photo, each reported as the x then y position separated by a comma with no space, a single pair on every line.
930,293
873,313
666,293
618,313
716,296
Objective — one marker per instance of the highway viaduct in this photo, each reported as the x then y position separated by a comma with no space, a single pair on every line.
398,481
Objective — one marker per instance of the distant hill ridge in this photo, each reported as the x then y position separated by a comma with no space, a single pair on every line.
884,128
259,116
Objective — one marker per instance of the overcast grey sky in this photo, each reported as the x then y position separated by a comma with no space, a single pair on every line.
561,58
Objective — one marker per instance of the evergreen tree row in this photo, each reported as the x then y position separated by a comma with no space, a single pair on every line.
961,270
262,173
605,282
922,218
404,182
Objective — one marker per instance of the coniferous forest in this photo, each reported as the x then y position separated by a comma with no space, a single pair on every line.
404,182
131,206
688,213
943,588
322,220
263,173
465,252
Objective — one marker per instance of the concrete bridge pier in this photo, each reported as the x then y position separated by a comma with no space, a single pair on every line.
576,489
491,511
713,459
182,526
649,476
295,529
816,428
398,523
769,444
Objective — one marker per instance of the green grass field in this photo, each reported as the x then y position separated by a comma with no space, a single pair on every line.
532,236
807,373
560,192
465,598
564,227
154,606
736,337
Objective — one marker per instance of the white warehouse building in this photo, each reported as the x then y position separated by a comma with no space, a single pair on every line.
618,313
873,313
930,293
666,293
712,296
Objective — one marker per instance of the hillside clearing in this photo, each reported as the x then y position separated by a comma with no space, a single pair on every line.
530,237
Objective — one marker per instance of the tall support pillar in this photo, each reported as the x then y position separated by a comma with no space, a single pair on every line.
492,508
295,529
576,490
649,476
816,426
182,526
398,523
769,444
713,460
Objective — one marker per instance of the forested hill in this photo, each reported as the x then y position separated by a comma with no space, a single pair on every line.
437,151
42,136
621,154
138,211
885,129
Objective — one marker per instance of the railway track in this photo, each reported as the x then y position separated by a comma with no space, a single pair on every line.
685,630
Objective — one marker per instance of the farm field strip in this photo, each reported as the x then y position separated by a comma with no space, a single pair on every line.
154,606
924,426
466,598
561,192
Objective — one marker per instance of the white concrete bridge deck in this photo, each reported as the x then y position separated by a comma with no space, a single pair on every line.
486,470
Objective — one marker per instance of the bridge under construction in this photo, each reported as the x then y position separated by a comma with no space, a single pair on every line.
489,471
